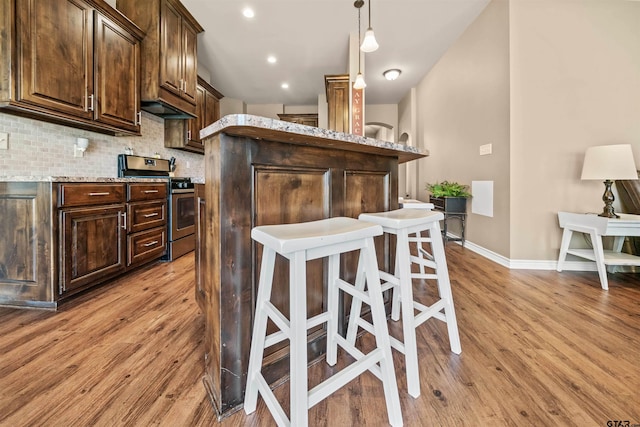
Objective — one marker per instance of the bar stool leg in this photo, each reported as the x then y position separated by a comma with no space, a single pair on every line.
259,329
396,294
408,315
333,296
356,303
444,288
299,410
381,333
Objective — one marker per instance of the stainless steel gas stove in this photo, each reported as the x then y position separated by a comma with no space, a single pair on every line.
181,200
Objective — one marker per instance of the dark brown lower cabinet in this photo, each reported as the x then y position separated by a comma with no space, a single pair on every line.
92,246
58,239
27,249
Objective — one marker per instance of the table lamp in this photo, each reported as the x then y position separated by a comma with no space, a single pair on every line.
608,163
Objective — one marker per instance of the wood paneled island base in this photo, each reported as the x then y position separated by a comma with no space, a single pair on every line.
261,171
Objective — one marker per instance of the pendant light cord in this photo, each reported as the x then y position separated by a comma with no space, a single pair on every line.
359,38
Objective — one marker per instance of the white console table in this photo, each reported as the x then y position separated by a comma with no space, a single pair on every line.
597,227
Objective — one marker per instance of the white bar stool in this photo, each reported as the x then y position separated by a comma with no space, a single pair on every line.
300,243
403,223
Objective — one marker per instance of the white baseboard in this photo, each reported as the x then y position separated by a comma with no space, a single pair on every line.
523,264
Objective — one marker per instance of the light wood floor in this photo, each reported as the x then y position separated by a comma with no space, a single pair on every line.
539,348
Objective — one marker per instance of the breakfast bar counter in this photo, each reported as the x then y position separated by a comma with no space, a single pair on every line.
262,171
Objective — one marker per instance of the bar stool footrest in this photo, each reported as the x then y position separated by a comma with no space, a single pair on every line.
327,387
427,312
357,354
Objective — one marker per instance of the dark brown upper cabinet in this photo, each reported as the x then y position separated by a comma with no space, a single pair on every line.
169,56
77,63
185,134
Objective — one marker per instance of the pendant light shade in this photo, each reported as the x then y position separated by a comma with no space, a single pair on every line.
359,83
369,44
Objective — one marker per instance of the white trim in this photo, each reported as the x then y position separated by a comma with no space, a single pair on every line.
523,264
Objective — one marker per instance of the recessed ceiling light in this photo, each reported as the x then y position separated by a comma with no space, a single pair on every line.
391,74
284,85
272,59
248,12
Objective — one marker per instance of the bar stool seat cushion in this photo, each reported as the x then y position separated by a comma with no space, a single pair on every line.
402,218
287,238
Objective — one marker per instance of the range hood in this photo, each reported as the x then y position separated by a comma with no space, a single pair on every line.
166,111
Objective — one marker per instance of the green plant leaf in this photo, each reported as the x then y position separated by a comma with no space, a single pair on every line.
448,189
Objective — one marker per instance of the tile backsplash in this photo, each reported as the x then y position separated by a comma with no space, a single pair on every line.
38,148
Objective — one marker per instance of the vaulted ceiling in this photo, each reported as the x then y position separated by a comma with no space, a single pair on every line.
310,38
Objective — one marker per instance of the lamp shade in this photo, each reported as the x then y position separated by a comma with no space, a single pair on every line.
369,44
359,83
609,162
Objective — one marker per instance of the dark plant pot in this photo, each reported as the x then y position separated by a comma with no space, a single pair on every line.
449,204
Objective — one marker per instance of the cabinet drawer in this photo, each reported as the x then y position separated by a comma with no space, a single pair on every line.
147,191
145,215
90,194
146,245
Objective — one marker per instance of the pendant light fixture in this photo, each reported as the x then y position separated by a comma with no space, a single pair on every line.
359,83
369,44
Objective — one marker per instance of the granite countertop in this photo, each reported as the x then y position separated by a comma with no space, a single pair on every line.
293,133
75,179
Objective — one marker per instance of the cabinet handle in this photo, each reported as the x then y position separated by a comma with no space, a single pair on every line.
100,194
150,191
91,102
139,118
146,245
124,222
151,215
189,135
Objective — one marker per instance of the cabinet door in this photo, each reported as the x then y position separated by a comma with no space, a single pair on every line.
92,246
55,40
212,109
338,102
117,65
196,124
171,43
189,62
26,246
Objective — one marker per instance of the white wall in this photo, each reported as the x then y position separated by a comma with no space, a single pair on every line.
542,81
232,106
463,103
383,113
301,109
575,73
265,110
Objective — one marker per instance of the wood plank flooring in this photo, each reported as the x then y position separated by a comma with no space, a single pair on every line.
539,348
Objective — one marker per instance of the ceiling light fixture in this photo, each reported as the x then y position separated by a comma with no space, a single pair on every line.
248,12
359,83
392,74
369,44
272,59
284,85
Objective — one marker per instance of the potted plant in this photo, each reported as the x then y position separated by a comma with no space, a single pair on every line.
450,197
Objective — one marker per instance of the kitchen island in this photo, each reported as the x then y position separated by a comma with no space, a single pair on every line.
262,171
